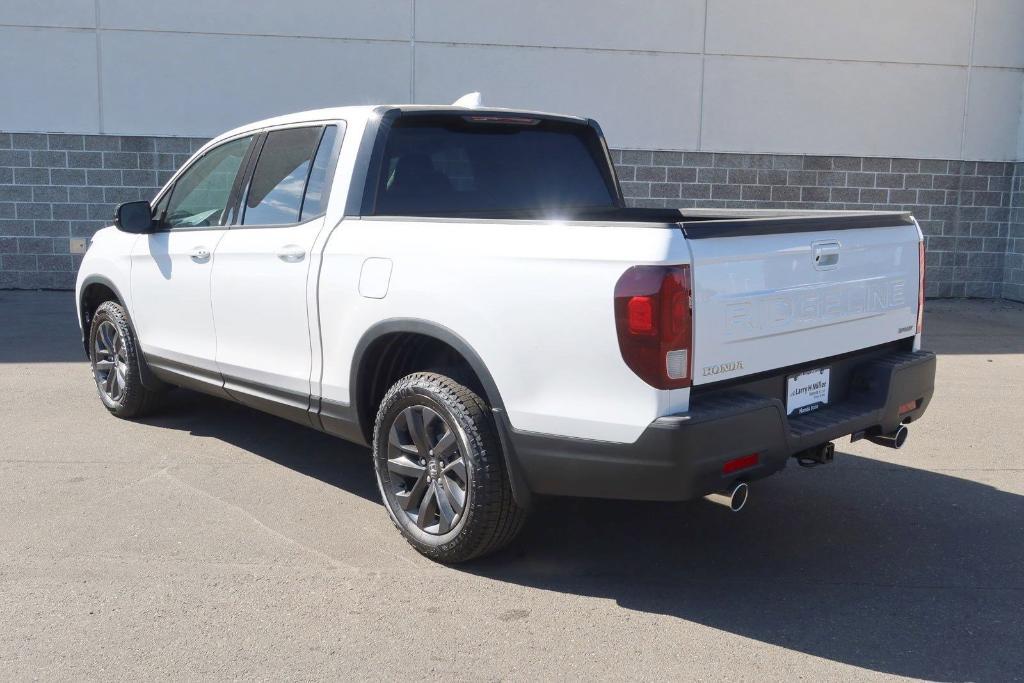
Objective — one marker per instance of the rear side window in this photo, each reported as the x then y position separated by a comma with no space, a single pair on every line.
315,202
486,166
289,163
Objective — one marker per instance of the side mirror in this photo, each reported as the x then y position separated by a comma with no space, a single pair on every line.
134,217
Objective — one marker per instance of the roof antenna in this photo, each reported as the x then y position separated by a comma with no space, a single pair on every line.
470,100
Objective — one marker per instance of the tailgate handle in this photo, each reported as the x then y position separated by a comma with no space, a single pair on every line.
826,255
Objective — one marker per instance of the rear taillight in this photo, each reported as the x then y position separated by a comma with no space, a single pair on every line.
920,287
655,324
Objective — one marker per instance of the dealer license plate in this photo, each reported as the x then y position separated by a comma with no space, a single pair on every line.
807,391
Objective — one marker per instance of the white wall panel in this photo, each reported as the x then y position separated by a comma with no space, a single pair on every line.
182,84
389,19
1020,129
69,13
48,77
993,114
999,38
668,25
861,77
641,100
925,31
802,106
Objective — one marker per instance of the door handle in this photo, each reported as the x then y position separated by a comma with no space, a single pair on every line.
200,255
826,255
291,253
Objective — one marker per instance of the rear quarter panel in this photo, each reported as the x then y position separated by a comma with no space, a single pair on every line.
533,300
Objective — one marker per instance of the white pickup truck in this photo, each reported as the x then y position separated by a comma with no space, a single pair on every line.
465,291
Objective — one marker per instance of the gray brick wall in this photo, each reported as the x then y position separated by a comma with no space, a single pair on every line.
963,206
54,187
1013,278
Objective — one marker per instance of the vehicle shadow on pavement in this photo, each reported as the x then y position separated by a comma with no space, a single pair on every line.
302,449
881,566
884,567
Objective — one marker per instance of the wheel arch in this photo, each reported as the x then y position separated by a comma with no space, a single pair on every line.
367,359
95,290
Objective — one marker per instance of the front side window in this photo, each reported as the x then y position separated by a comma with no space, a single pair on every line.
279,181
200,195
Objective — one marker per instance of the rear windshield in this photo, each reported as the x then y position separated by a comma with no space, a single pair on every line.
482,166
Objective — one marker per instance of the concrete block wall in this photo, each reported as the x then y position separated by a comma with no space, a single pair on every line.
54,187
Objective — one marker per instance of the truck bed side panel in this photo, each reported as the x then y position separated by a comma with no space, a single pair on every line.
534,300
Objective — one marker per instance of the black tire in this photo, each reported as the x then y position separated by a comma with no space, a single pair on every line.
132,399
489,518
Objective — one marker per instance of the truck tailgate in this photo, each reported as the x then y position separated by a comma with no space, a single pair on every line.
771,294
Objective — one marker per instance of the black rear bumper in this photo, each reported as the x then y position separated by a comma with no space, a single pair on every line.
680,457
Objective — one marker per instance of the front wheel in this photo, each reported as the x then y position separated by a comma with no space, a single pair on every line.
115,356
440,469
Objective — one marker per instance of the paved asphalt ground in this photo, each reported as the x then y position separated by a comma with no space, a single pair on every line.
216,542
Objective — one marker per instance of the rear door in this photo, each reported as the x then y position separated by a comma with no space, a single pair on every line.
262,267
771,294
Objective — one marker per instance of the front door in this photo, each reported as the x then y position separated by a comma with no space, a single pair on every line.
171,268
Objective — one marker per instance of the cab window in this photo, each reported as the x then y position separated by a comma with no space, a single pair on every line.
288,183
200,195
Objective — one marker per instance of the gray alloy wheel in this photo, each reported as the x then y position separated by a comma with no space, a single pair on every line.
116,362
441,471
110,362
429,476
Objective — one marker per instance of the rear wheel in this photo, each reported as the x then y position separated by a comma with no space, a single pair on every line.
440,469
115,357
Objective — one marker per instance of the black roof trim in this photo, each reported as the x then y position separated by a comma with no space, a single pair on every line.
436,110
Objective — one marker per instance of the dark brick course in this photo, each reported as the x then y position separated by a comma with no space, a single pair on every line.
57,186
1013,264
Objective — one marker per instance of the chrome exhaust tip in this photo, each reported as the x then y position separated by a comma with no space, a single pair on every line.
734,499
894,440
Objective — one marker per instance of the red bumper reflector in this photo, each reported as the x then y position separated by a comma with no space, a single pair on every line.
738,464
907,407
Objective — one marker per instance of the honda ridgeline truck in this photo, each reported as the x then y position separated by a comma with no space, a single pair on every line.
464,291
